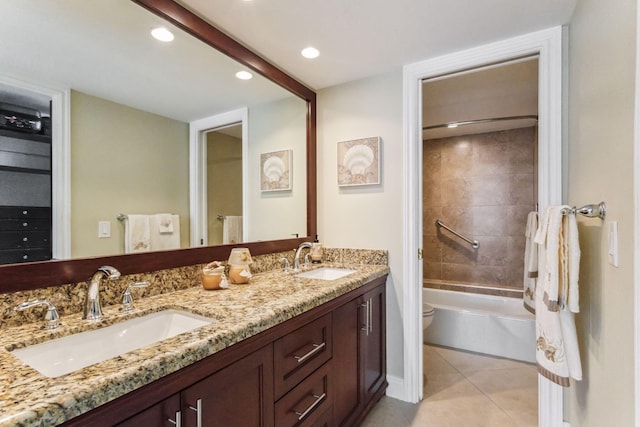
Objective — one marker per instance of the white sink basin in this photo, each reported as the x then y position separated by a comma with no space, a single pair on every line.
326,273
63,355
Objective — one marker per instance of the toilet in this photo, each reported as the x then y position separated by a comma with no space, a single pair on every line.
427,315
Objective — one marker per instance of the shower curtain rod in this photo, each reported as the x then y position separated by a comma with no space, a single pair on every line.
473,122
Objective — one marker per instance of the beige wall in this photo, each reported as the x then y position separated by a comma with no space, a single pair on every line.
123,160
224,181
366,217
277,126
480,185
601,117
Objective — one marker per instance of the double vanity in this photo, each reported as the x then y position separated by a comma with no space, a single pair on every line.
287,349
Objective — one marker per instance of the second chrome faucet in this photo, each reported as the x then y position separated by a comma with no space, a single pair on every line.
92,309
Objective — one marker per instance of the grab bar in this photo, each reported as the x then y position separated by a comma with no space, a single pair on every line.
474,243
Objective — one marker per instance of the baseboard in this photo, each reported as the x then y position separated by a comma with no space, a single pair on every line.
396,388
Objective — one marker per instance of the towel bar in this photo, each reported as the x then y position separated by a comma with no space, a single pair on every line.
590,211
123,217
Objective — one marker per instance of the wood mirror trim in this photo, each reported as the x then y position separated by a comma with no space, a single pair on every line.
34,275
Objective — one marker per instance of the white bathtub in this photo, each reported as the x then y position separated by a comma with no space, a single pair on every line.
487,324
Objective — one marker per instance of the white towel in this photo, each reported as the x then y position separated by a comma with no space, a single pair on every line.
557,351
137,234
164,241
530,263
232,230
165,223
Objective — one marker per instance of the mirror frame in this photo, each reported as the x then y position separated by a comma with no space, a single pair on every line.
34,275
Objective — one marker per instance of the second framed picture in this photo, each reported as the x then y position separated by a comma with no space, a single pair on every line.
359,162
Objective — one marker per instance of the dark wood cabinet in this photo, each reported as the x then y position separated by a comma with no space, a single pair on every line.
236,395
159,414
239,395
325,367
359,362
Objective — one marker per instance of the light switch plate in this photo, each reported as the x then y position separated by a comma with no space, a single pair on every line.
104,229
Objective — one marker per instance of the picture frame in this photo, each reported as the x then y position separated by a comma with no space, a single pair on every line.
275,170
359,162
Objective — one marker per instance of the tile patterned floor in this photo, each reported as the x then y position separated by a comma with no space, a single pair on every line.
466,389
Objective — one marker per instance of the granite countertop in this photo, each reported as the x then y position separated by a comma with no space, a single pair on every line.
29,398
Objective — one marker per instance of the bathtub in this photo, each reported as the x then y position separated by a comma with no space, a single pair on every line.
499,326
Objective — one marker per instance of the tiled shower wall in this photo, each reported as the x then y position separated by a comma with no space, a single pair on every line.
482,186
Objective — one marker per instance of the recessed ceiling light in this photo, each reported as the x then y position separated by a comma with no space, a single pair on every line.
310,52
244,75
162,34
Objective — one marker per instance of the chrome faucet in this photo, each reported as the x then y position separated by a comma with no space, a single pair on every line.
92,309
296,259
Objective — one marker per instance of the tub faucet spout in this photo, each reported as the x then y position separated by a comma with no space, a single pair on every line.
92,309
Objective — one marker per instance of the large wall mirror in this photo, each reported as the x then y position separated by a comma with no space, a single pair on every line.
133,105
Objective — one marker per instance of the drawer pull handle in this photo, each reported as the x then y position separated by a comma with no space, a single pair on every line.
198,411
315,403
177,422
316,348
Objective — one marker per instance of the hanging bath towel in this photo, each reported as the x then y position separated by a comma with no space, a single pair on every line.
530,263
232,230
161,238
557,352
137,234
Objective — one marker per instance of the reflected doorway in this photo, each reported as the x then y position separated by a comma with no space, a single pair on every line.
224,185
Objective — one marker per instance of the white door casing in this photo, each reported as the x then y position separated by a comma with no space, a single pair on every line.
547,44
198,171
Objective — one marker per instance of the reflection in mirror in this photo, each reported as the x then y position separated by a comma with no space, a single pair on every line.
131,100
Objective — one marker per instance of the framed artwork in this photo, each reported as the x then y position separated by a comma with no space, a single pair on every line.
359,162
275,170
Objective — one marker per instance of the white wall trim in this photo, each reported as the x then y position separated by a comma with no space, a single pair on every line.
60,162
396,388
548,45
636,226
198,171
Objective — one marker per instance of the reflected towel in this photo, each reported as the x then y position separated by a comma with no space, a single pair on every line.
137,234
164,241
232,230
165,223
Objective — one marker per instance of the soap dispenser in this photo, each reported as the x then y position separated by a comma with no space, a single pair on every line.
316,251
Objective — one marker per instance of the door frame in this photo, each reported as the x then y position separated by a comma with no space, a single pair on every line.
547,44
60,162
198,171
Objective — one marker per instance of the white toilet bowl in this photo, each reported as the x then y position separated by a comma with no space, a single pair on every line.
427,315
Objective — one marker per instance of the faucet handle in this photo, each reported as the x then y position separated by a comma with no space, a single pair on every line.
307,260
286,264
51,317
127,299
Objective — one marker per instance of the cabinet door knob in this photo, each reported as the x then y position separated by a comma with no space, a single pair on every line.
177,422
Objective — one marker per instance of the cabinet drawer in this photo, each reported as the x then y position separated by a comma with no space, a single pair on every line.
24,212
25,224
24,255
24,239
302,351
307,404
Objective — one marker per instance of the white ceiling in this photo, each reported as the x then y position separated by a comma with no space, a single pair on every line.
103,48
359,38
